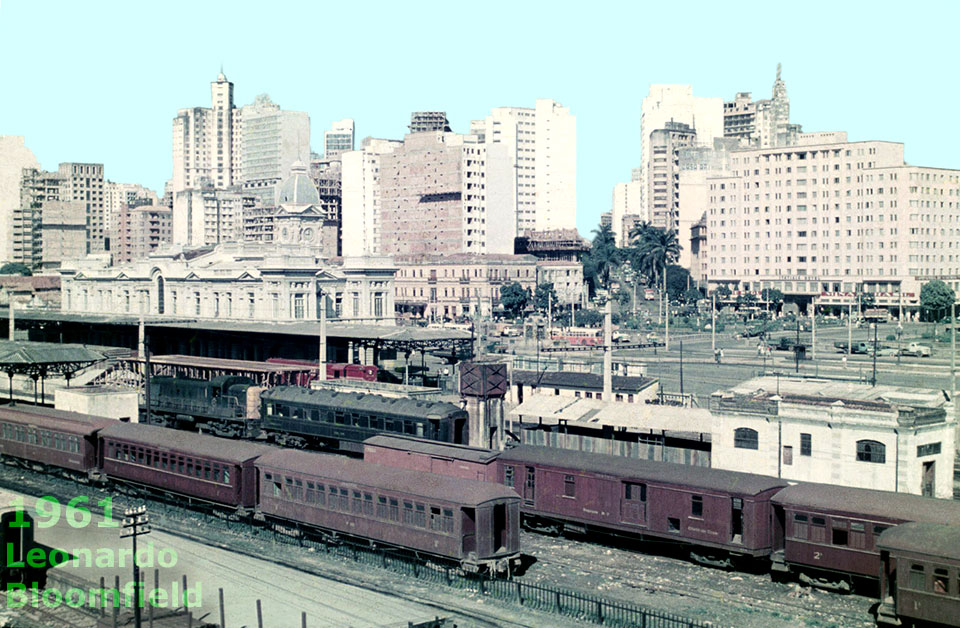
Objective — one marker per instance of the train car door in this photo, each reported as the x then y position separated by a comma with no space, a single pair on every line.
530,486
736,521
633,503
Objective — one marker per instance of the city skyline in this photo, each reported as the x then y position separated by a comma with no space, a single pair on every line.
123,121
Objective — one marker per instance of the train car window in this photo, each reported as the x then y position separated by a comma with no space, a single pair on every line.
269,409
277,488
421,516
434,518
381,507
368,504
321,495
858,536
288,488
394,510
408,513
311,492
569,486
635,492
448,520
840,537
819,521
941,581
226,476
180,465
339,417
508,476
918,580
419,430
190,466
163,461
376,423
871,451
800,524
357,505
298,490
334,501
696,506
673,524
344,500
315,415
408,427
354,419
363,421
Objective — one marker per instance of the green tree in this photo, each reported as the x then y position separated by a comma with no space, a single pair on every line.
623,298
602,258
514,298
747,299
16,268
678,278
936,298
773,297
543,296
658,248
723,292
868,300
692,296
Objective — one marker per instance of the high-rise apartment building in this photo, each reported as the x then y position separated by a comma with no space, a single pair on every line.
626,202
208,216
83,183
339,139
541,146
140,230
434,198
832,221
115,195
427,121
14,158
662,186
271,141
360,188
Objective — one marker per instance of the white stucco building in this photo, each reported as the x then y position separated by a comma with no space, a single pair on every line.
338,138
360,189
271,141
848,434
541,145
14,157
234,281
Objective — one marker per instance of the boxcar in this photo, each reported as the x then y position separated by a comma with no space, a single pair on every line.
474,523
205,468
920,581
829,533
708,508
417,454
297,416
67,440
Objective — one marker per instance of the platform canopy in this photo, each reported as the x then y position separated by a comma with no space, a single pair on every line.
41,359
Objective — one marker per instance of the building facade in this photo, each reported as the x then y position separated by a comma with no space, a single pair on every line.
116,195
338,139
271,141
846,434
761,123
360,188
15,157
662,186
626,202
832,221
208,216
541,148
429,121
140,230
242,282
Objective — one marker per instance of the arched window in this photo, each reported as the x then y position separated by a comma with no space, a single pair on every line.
871,451
745,438
160,283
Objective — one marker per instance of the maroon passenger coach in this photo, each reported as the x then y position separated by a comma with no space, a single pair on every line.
205,468
475,523
420,454
707,508
67,440
829,533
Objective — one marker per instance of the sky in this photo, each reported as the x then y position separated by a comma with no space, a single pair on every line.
100,81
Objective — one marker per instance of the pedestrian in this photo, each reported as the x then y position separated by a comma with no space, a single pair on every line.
844,361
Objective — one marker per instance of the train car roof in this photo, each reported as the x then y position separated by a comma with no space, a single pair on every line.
187,443
649,470
433,448
933,539
59,420
363,401
414,483
869,502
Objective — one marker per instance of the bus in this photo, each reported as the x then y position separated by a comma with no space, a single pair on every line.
578,336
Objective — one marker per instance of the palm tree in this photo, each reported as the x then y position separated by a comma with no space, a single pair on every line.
604,253
659,248
638,234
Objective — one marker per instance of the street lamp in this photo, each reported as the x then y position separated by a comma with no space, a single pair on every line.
899,336
135,523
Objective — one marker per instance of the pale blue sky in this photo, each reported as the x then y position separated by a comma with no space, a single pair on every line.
101,81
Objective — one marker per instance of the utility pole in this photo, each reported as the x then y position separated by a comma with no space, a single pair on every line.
607,352
850,328
953,353
796,347
666,310
681,367
873,378
713,320
136,523
146,377
322,357
13,324
549,314
813,341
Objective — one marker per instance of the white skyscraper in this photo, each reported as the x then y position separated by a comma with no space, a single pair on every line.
541,143
272,140
676,103
361,197
14,157
339,139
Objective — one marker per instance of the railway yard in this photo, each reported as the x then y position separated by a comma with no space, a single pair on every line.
337,591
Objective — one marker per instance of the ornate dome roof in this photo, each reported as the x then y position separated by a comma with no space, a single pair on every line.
297,189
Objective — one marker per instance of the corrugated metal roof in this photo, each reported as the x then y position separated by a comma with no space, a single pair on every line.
933,539
61,420
869,503
643,470
580,381
429,486
187,443
23,353
433,448
641,417
364,402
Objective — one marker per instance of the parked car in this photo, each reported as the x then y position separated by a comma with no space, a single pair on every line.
841,346
887,352
862,348
917,349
